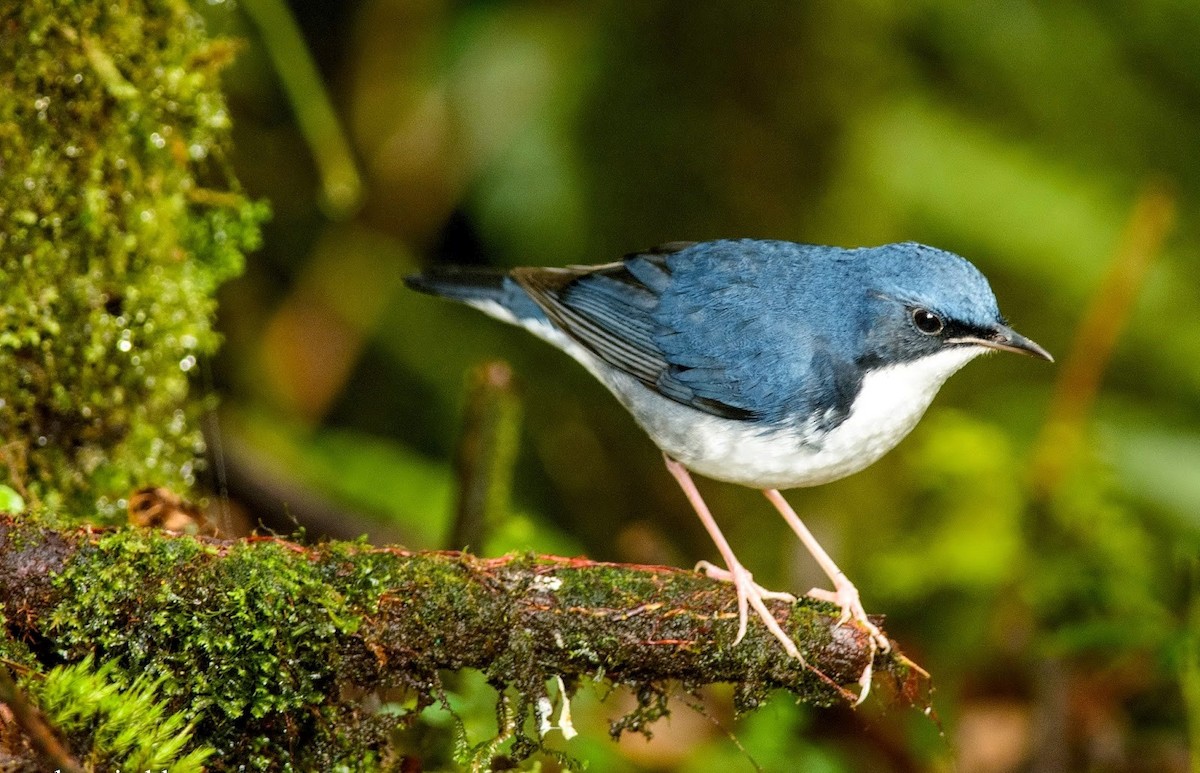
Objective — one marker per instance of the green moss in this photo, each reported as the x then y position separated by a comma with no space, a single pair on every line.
12,649
246,644
121,218
248,640
122,727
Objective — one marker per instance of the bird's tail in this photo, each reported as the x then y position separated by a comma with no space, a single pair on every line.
460,283
490,290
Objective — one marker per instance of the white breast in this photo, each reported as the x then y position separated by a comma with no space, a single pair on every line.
889,404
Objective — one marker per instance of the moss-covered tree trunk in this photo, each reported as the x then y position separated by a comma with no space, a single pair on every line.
119,216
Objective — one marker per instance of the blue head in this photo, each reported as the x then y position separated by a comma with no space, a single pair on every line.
922,300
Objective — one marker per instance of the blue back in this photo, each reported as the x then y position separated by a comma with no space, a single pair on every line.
762,330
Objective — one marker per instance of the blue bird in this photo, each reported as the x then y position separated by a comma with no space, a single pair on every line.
765,363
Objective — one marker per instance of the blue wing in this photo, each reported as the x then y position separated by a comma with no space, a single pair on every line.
704,325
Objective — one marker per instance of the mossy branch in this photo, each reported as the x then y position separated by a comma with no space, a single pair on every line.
266,630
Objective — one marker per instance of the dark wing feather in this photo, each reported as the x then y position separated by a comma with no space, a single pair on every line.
605,309
703,334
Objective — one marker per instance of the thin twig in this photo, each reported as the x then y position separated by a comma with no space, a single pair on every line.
43,737
1079,378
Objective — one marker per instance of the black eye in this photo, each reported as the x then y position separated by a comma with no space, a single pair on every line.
927,322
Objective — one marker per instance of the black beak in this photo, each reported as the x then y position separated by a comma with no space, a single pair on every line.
1006,339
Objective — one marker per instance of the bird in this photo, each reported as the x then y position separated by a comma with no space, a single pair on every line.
768,364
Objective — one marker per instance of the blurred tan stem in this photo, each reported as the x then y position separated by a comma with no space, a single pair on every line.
341,185
1079,379
39,733
487,451
1190,677
1062,440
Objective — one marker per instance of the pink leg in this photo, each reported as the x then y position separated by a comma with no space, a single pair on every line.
748,593
844,593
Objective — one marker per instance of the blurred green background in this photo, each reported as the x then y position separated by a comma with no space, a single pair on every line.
1033,543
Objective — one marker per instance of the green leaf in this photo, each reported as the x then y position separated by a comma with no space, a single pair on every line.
11,501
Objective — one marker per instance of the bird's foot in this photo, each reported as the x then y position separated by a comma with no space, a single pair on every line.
751,594
717,573
846,597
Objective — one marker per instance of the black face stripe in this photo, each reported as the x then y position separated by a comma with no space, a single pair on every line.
956,329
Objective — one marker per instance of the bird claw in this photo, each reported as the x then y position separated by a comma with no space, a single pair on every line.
717,573
846,597
751,594
864,679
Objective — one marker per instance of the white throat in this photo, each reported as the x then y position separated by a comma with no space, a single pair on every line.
891,402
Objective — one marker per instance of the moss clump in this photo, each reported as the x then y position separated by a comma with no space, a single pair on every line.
11,649
249,643
124,728
119,217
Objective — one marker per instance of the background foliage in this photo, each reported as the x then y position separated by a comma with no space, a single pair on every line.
1033,543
